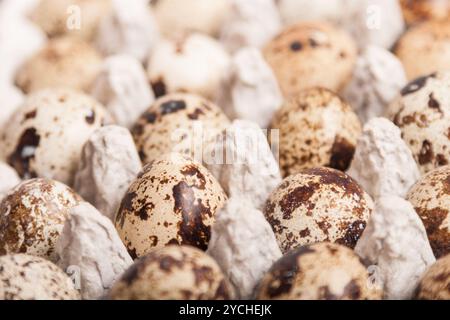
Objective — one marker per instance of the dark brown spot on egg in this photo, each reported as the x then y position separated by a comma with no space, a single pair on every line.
426,154
438,234
352,234
126,207
23,154
433,103
167,263
293,199
159,88
193,171
341,154
416,85
90,117
192,229
296,46
352,290
172,106
30,115
195,115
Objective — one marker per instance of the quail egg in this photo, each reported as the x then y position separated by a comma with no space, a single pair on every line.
422,112
177,122
173,273
311,54
173,201
416,11
435,284
63,62
425,48
32,216
430,197
190,63
316,128
45,136
177,16
25,277
323,271
77,17
316,205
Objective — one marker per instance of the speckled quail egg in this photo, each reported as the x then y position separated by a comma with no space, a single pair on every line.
422,112
416,11
177,122
178,16
316,128
425,48
173,273
45,136
311,54
25,277
173,201
189,63
430,197
435,283
63,62
323,271
32,216
77,17
316,205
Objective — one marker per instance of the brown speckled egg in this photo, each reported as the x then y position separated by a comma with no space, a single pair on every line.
173,273
32,217
45,136
54,16
311,54
25,277
63,62
323,271
435,283
422,112
176,123
316,205
173,201
416,11
430,196
425,48
316,128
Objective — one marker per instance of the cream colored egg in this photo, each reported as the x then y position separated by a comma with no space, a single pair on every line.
422,112
25,277
182,123
173,273
173,201
75,17
435,283
45,136
425,48
192,63
322,271
311,54
316,205
32,217
430,197
316,128
63,62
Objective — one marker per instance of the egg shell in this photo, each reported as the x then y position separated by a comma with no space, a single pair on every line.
177,122
173,273
316,128
422,112
316,205
189,63
59,17
311,54
177,16
430,197
64,62
435,283
44,138
25,277
416,11
32,217
173,201
425,48
322,271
